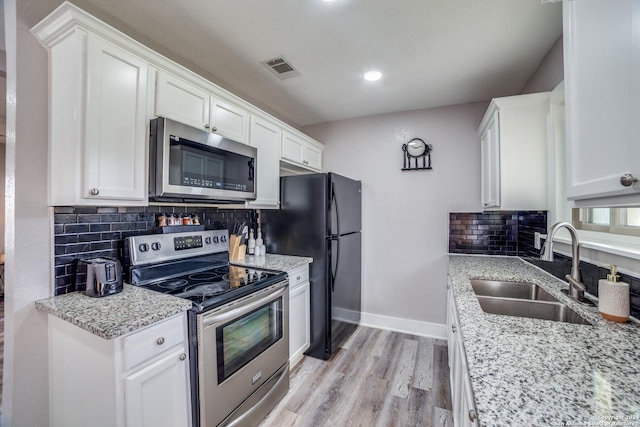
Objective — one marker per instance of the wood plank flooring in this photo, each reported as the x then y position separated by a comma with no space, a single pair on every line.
376,378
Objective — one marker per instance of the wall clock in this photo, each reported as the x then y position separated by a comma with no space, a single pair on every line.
415,150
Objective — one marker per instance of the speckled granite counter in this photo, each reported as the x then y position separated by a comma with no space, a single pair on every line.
530,372
274,262
115,315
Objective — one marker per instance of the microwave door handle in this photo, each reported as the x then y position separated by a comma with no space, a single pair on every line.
251,169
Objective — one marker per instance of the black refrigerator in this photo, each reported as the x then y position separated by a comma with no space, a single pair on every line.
321,217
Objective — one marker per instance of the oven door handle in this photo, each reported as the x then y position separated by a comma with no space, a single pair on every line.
224,316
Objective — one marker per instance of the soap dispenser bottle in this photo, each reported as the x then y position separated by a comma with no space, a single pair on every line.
613,297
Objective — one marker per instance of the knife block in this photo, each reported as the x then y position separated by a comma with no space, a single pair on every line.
237,251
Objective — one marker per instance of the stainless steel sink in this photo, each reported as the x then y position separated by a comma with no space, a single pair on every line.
522,300
528,291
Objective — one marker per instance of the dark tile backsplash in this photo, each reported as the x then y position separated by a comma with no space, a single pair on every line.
495,233
89,232
591,274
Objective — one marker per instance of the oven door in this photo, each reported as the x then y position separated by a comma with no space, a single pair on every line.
242,346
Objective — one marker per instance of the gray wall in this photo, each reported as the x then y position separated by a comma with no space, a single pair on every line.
406,213
549,73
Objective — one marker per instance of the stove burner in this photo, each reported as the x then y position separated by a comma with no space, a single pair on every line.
173,284
207,289
207,275
222,270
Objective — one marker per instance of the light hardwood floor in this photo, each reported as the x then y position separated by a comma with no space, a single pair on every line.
376,378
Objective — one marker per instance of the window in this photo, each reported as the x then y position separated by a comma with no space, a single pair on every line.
608,220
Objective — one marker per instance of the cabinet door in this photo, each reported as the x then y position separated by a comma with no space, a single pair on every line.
158,395
602,97
229,120
299,321
182,101
265,136
490,153
115,131
313,156
292,148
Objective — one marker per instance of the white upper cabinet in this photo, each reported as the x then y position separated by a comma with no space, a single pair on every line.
104,87
513,137
98,121
602,89
301,151
265,136
189,104
182,101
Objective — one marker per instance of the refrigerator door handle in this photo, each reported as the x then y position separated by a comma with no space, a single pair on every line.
334,201
334,271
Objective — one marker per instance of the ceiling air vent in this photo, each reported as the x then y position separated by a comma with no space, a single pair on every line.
281,68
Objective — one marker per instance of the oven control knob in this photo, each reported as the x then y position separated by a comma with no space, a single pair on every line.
207,240
156,246
216,239
144,247
223,239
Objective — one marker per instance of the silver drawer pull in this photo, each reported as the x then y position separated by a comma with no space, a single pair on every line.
183,356
160,341
298,278
472,415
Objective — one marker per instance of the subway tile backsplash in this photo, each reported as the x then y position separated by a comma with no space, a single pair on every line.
495,233
89,232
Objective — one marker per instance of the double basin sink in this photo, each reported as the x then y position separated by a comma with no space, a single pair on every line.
523,300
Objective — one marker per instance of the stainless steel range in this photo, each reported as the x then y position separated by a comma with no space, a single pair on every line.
238,326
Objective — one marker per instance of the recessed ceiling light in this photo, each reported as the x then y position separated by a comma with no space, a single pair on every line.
372,76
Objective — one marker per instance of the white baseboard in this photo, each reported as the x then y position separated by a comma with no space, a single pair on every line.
406,326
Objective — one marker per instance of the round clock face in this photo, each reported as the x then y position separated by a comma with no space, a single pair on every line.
416,148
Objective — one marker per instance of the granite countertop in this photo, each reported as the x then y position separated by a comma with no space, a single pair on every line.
274,262
537,372
114,315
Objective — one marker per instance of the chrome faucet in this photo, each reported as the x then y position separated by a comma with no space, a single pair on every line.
576,287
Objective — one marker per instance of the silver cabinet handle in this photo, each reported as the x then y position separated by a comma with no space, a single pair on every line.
628,180
453,328
183,356
214,129
486,204
206,126
160,341
94,191
472,415
298,278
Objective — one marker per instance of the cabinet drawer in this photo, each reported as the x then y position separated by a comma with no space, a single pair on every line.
298,276
150,342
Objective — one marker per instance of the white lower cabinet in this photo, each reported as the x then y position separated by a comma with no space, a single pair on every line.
462,400
140,379
155,394
299,314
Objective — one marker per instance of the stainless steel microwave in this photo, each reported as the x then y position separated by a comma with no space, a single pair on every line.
189,164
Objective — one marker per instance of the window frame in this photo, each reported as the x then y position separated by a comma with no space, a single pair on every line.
616,222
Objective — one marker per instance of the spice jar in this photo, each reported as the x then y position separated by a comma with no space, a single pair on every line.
162,220
195,219
172,220
186,220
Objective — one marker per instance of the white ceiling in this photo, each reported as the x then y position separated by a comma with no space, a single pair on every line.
432,52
